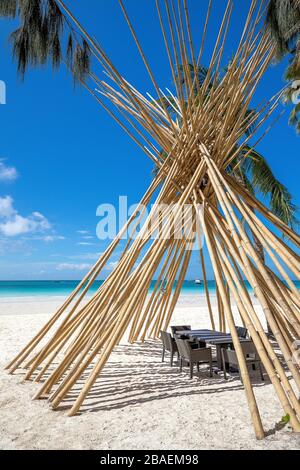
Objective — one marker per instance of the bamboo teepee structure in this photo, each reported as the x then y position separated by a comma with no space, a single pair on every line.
192,146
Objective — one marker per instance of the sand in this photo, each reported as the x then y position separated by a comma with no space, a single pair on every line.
138,403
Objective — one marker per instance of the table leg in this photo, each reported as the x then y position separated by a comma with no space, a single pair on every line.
219,356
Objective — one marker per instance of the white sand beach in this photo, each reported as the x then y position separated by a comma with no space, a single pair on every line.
138,402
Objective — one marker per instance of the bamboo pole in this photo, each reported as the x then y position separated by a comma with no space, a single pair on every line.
249,308
257,288
242,362
258,343
192,152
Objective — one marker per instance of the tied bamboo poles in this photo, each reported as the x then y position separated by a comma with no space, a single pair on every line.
192,135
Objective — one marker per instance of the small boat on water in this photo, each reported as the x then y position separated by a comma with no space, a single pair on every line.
197,281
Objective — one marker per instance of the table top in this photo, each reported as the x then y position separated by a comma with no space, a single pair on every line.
209,336
203,333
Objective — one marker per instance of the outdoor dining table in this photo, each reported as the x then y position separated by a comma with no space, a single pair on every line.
216,338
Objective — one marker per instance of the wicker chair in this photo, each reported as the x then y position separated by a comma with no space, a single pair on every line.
169,345
242,332
251,355
194,344
174,329
193,356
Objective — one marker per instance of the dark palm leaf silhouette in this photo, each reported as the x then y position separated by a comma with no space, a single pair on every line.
41,37
283,22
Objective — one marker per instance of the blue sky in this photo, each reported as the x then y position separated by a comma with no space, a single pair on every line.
61,155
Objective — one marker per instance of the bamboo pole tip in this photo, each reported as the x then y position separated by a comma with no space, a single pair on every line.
260,435
40,396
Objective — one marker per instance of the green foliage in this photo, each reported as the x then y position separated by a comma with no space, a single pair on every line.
8,8
285,420
283,23
264,181
81,61
294,115
40,37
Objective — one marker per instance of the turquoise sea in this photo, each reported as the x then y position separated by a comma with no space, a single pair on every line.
63,288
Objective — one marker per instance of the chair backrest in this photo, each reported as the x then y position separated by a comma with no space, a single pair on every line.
174,329
249,349
230,357
241,331
184,348
166,340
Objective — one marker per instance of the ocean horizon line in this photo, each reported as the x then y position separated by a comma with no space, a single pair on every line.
63,288
99,280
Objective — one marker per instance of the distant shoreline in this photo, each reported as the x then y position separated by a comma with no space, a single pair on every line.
35,290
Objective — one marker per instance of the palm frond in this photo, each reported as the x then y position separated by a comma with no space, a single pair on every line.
293,71
239,172
201,73
246,182
283,22
8,8
295,115
264,181
40,37
81,61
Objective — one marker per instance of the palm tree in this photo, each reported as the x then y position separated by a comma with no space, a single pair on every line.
45,34
283,22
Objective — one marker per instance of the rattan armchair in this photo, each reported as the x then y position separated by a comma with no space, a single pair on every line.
169,344
193,356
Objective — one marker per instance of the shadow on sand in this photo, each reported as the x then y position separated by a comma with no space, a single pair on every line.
136,375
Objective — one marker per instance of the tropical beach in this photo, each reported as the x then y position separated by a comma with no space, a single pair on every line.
137,386
150,283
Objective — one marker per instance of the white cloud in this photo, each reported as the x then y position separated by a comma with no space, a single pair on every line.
111,266
52,238
7,173
87,256
73,267
6,207
7,246
13,224
87,237
82,257
85,244
19,225
83,232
